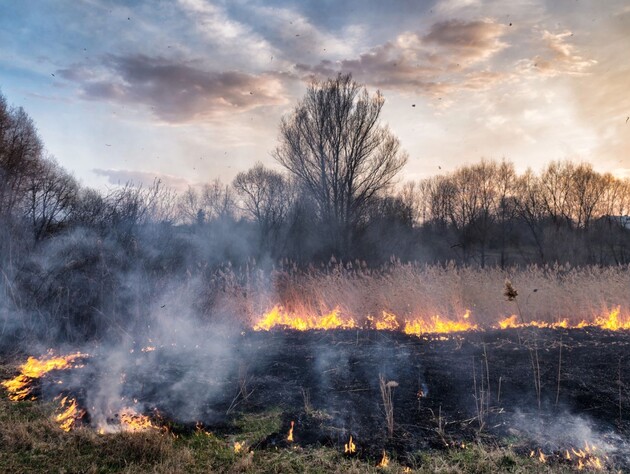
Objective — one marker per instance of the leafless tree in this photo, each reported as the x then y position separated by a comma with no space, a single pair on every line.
265,196
335,145
212,201
20,156
51,194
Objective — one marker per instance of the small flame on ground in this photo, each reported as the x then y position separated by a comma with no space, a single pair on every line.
349,447
21,386
238,446
70,414
132,421
290,435
586,458
384,460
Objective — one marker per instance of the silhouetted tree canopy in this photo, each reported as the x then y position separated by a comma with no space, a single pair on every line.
336,147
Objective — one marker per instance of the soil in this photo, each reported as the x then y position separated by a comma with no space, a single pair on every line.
446,391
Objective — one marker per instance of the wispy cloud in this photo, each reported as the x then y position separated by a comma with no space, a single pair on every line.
559,56
176,91
436,63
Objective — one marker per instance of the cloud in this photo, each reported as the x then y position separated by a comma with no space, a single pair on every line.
558,56
234,39
144,178
176,91
467,42
452,56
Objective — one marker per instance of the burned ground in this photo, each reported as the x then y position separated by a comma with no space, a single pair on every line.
448,391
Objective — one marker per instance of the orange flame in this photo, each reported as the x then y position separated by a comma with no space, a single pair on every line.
290,435
612,322
384,461
349,447
70,414
586,458
132,421
278,317
20,387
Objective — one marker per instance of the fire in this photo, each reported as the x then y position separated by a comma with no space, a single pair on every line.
384,461
612,322
238,446
389,322
20,387
132,421
70,414
349,447
290,435
586,458
437,325
278,317
512,322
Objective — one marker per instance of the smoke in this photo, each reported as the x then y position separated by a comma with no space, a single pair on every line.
564,431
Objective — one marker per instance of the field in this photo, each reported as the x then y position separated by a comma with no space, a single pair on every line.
341,369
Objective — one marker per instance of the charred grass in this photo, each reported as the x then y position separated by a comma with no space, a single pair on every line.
31,442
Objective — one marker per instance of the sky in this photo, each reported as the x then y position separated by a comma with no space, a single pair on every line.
192,90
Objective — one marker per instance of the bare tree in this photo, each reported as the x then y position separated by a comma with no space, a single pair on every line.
20,156
334,144
51,192
213,201
265,196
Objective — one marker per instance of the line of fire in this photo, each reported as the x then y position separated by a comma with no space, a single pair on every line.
377,387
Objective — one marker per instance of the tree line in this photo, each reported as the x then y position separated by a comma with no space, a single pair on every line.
336,194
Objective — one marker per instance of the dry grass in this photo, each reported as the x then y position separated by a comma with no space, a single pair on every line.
549,293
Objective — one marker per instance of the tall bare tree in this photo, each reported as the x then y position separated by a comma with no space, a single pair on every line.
51,195
265,196
336,147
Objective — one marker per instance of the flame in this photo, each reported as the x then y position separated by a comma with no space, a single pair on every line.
278,317
612,322
70,414
541,457
512,322
349,447
384,461
132,421
437,325
238,446
20,387
388,323
586,458
290,435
